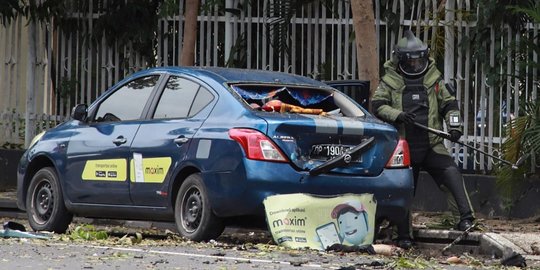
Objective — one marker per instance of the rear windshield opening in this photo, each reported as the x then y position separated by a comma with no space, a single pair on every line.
290,99
286,99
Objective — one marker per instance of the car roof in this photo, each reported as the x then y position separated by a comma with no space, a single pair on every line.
237,75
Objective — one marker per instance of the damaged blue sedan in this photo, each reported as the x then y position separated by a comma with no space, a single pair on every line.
199,146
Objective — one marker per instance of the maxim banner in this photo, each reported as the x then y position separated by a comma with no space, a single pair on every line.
303,220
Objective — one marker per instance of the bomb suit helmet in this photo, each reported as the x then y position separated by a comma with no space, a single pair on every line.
412,55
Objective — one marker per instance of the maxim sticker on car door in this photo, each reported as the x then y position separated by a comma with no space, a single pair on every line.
105,170
149,170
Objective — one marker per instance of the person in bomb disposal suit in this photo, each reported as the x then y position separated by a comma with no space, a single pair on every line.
412,90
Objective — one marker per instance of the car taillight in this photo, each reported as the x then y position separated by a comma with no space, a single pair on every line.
401,157
256,145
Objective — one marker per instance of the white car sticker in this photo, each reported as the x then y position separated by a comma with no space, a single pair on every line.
138,165
324,125
331,126
353,127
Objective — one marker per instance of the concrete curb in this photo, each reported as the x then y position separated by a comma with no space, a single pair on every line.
8,204
498,246
493,245
439,239
507,247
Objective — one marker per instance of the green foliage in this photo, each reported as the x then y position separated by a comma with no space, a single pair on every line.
523,133
66,88
15,125
522,141
121,22
40,11
129,22
532,11
209,4
411,263
168,8
12,146
9,10
496,15
446,221
43,11
87,232
238,54
131,239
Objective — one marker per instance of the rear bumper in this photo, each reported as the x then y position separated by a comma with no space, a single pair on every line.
242,192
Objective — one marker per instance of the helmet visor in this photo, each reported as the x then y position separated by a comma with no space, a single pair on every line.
414,66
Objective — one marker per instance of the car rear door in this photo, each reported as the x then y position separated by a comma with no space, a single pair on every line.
163,140
99,150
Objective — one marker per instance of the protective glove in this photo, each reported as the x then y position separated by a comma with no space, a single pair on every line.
455,135
406,118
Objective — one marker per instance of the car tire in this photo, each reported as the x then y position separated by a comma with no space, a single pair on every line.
193,214
45,203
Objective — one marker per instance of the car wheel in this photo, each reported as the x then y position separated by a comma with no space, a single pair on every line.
45,203
194,217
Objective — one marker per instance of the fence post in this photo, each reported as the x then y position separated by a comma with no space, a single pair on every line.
30,129
449,40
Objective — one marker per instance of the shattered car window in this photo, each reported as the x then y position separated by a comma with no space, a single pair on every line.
287,99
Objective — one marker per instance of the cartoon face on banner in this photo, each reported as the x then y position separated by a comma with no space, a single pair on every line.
303,220
352,222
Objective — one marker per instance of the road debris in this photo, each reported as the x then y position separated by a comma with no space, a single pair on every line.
515,259
455,260
535,247
16,230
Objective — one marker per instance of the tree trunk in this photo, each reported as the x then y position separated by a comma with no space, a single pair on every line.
366,42
187,58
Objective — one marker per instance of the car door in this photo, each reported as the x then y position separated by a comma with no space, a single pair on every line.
356,89
162,141
98,152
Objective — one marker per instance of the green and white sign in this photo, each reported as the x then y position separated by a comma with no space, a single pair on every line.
302,220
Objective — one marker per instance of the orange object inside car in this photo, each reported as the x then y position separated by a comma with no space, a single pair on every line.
279,106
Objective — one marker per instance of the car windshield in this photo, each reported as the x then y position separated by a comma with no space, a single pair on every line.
290,99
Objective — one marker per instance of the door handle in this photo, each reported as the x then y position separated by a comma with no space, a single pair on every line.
119,141
181,140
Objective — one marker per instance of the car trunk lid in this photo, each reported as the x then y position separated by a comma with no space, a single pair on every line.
310,141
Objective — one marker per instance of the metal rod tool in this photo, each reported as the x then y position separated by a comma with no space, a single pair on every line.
446,135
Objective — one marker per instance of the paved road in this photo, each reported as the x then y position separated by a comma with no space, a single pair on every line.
252,250
163,249
55,255
178,254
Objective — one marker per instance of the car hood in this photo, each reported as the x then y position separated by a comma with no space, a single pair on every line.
304,137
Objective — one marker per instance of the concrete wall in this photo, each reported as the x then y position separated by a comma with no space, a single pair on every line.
484,198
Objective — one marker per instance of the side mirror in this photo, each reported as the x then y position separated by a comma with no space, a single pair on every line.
79,112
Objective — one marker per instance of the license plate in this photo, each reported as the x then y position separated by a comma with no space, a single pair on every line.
328,151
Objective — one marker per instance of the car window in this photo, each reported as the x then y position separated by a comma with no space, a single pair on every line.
182,98
203,98
127,103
